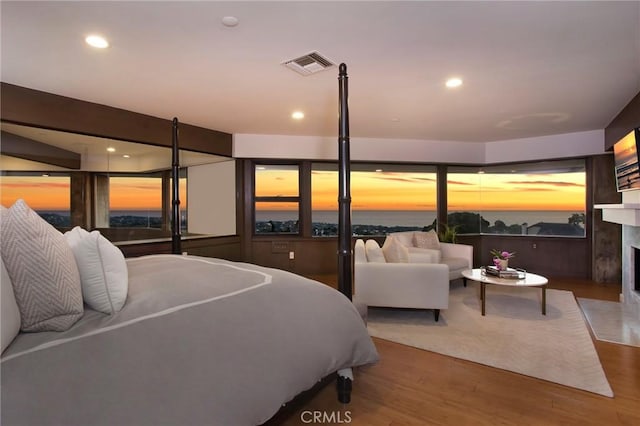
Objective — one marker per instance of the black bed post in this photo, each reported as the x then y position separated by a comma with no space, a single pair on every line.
176,241
345,277
344,191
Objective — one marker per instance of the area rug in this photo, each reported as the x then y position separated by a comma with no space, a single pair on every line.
611,321
513,336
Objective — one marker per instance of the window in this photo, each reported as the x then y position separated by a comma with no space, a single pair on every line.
277,199
543,198
135,200
384,198
48,194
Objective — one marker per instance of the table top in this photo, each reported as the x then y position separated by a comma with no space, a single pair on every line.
530,280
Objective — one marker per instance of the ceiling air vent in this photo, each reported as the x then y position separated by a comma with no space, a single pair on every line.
310,63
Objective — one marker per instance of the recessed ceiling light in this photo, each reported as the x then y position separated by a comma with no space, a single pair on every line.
454,82
111,149
230,21
297,115
126,156
378,170
97,41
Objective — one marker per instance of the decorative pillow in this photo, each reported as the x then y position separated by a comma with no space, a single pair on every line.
426,240
103,270
374,252
43,271
405,238
394,252
10,321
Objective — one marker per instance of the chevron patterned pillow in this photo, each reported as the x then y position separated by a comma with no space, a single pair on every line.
43,271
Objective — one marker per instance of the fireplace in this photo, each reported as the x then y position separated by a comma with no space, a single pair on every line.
631,267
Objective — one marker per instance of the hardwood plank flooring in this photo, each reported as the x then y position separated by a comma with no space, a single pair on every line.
410,386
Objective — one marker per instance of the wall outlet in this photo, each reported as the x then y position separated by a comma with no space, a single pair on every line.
535,245
184,253
292,255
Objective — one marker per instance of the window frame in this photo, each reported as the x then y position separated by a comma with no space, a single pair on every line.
551,166
278,199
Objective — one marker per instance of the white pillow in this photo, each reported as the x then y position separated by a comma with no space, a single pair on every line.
43,271
10,321
394,251
405,238
103,270
374,252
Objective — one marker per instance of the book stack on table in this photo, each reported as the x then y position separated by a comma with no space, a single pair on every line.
508,273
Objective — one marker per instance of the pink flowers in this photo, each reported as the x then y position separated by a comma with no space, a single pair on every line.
502,255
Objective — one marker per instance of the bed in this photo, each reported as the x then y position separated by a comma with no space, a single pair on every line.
198,341
91,338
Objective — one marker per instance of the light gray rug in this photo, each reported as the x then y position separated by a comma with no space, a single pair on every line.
514,335
612,321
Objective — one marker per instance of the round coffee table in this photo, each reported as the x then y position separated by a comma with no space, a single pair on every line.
529,280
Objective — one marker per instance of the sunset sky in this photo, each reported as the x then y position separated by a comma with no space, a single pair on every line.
52,193
369,191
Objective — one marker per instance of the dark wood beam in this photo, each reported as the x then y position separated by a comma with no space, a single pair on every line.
623,123
28,149
30,107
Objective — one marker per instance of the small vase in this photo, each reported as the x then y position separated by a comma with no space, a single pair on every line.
502,264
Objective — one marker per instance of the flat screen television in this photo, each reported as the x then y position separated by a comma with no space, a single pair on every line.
625,153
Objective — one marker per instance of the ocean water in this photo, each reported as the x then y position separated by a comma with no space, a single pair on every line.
379,217
416,217
113,213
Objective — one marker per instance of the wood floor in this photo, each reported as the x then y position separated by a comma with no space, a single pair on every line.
415,387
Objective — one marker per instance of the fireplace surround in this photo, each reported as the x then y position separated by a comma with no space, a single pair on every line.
631,267
628,215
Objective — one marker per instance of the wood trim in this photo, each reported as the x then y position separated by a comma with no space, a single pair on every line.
31,107
28,149
441,196
304,190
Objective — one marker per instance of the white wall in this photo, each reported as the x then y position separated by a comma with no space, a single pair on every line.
211,198
422,151
566,145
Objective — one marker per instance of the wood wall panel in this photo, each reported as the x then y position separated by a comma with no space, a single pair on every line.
221,247
607,237
30,107
548,256
313,256
628,119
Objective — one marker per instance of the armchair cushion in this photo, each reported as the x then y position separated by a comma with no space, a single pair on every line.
426,240
423,255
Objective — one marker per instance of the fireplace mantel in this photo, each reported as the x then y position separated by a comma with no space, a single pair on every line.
624,214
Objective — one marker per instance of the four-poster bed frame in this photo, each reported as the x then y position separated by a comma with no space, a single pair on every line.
345,253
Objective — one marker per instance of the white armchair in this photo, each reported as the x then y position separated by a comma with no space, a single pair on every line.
457,257
398,285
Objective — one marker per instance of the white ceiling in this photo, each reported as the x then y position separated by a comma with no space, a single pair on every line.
529,68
